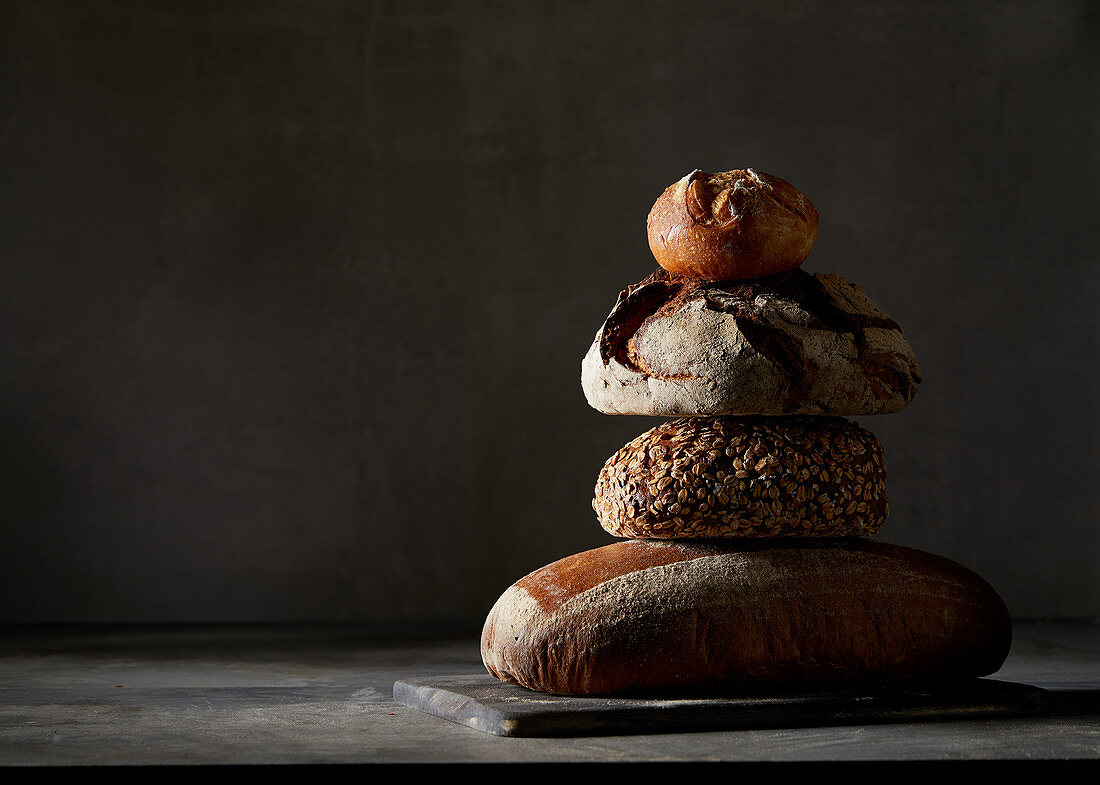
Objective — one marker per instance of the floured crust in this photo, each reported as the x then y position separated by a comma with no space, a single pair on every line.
676,617
792,343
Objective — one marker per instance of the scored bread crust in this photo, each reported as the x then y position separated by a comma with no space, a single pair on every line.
683,616
731,226
745,477
792,343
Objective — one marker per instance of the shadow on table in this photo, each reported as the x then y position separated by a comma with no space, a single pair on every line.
1073,701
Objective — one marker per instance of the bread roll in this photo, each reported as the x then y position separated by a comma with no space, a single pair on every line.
678,617
793,343
745,477
731,225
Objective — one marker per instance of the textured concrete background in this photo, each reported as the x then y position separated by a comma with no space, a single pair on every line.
295,294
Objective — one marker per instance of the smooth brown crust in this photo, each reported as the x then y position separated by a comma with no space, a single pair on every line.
683,617
731,226
745,477
574,576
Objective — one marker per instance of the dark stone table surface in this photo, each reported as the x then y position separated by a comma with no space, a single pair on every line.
254,695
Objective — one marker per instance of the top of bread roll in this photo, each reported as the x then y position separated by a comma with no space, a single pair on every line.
729,226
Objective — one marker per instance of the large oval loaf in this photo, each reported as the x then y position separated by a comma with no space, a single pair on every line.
745,477
680,616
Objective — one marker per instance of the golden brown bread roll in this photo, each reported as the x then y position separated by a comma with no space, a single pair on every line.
731,225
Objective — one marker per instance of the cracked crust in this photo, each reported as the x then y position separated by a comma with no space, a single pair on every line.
792,343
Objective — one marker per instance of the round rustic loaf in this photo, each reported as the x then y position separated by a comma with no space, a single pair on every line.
745,477
684,616
793,343
731,225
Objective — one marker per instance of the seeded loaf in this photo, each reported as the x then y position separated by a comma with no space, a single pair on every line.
787,476
792,343
731,225
678,617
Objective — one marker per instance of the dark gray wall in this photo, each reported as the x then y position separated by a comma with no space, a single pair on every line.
295,293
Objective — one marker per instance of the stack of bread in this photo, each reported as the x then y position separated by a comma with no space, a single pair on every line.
747,561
